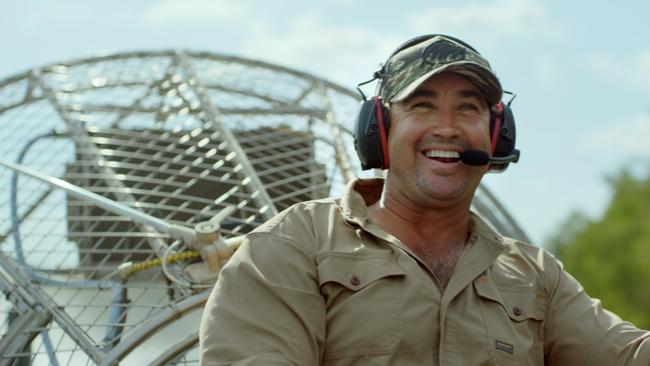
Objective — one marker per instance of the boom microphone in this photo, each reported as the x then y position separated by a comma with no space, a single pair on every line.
475,157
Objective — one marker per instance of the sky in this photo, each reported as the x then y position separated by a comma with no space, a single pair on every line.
580,69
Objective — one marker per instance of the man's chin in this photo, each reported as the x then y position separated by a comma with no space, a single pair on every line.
443,190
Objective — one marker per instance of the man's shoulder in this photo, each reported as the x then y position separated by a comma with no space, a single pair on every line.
530,253
513,252
528,262
521,246
300,216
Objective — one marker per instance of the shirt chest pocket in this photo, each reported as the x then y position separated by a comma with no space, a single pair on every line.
514,321
362,296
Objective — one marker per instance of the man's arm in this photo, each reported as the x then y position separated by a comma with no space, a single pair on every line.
579,331
266,308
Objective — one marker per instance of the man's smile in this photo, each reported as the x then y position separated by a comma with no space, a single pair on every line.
444,156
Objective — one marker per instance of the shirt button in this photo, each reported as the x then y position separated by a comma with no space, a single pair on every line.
354,280
517,311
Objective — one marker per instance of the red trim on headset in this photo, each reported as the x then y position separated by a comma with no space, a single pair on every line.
382,132
497,126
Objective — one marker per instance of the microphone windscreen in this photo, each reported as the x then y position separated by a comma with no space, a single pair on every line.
475,157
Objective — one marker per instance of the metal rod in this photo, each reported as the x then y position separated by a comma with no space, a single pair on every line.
342,158
22,331
34,294
176,350
27,213
117,208
162,318
261,198
79,135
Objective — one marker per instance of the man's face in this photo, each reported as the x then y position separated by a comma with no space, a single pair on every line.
444,116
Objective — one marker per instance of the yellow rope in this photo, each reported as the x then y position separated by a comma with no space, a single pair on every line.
129,268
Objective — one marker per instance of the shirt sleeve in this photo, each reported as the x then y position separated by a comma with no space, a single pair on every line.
266,307
579,331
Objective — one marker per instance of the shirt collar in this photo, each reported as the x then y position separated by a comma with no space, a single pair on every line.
360,193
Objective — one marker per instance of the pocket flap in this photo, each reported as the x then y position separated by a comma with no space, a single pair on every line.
356,272
519,303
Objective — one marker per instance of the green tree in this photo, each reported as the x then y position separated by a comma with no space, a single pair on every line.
611,256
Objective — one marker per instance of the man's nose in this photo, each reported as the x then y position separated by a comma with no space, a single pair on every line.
444,125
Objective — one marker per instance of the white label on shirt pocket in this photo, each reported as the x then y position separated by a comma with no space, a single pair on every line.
513,321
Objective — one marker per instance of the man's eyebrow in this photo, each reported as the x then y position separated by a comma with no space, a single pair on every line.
471,94
474,94
423,93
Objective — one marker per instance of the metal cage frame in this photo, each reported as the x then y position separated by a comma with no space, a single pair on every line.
177,135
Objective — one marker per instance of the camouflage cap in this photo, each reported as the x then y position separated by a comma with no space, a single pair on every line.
407,69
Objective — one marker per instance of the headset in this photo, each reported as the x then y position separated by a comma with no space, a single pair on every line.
373,122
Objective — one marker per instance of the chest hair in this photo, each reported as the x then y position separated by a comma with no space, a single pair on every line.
440,261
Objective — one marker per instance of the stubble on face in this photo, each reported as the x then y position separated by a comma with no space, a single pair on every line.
446,113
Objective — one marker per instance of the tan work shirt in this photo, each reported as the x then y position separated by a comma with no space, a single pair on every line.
322,285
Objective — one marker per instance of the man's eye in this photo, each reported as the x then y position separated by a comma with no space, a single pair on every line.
468,107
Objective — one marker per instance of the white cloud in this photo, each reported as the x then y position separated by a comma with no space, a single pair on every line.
634,71
344,54
628,136
603,66
643,62
546,71
486,21
186,11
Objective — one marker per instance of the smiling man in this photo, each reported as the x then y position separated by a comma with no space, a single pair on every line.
399,271
428,190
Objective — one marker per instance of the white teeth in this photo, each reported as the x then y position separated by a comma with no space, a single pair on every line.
442,154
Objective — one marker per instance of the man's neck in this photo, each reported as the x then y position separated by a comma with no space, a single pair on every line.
436,234
431,220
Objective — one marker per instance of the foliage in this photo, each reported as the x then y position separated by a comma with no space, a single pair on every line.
611,256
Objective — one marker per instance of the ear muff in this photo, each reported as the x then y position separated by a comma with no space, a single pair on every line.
503,135
371,134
